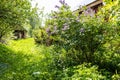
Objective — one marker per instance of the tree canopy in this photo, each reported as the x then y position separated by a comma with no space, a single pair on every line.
13,13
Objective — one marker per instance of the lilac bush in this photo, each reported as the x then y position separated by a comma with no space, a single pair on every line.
65,27
81,32
56,6
82,38
62,1
89,12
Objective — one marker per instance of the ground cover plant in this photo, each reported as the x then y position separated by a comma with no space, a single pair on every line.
21,62
42,62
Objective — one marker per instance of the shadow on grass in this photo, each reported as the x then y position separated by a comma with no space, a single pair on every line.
14,65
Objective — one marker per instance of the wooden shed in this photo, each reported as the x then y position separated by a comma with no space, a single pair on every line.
20,34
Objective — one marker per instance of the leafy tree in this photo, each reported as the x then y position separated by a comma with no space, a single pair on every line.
13,13
35,20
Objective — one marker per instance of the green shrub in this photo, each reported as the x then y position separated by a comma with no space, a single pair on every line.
83,72
40,36
85,34
116,77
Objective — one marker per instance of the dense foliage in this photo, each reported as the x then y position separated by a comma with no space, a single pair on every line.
69,47
13,14
31,62
83,38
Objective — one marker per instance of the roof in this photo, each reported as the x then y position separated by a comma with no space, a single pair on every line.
92,4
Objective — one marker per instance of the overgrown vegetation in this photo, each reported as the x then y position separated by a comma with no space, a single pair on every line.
69,47
22,62
31,62
14,15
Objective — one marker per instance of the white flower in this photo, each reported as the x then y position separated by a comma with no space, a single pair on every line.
36,73
82,30
65,27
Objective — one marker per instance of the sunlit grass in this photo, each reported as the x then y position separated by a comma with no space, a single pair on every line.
22,58
26,46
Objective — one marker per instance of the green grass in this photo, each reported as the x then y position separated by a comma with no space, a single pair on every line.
27,46
21,59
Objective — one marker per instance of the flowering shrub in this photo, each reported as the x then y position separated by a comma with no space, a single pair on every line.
84,33
83,38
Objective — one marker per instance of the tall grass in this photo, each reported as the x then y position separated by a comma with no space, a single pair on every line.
22,60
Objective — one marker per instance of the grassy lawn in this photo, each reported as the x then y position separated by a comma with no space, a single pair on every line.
27,46
21,59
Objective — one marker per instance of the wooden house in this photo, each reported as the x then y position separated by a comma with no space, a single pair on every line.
92,7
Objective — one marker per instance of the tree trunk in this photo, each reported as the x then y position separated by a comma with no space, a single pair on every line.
0,38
